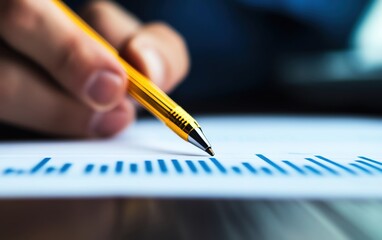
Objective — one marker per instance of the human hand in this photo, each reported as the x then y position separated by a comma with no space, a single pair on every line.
56,79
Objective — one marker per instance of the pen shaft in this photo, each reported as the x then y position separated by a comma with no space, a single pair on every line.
158,103
141,88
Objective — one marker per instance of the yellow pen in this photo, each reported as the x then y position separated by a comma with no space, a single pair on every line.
149,95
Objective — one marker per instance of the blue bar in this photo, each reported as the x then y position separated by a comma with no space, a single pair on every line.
249,167
323,166
205,167
118,167
50,170
89,168
39,165
313,170
8,171
192,167
371,160
299,170
270,162
236,170
337,165
65,168
219,166
148,166
11,171
162,166
133,168
362,168
370,165
266,171
103,169
177,166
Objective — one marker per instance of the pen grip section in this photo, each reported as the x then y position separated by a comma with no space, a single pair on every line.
158,103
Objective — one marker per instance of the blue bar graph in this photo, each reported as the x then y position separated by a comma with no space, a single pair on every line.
270,162
236,170
103,169
89,168
371,160
266,171
177,166
260,165
313,170
133,168
50,170
119,167
192,166
8,171
323,166
294,167
162,166
11,171
65,168
337,164
148,166
219,166
205,167
365,170
249,167
370,165
39,165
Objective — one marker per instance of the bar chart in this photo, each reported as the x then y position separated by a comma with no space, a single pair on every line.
260,165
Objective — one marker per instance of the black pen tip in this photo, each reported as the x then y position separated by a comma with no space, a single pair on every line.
210,151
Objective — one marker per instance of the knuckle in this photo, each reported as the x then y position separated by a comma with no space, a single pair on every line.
161,25
19,15
70,45
171,35
168,31
76,60
162,29
96,7
178,44
93,11
70,59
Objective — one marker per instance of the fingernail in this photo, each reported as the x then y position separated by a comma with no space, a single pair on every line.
104,88
155,65
108,123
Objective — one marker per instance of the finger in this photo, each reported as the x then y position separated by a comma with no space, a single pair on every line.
29,102
156,49
112,22
46,35
160,53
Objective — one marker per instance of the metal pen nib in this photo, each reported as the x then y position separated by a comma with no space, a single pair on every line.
197,138
210,151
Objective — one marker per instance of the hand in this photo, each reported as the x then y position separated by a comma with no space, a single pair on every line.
56,79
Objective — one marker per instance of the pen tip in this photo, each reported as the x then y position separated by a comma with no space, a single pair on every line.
210,151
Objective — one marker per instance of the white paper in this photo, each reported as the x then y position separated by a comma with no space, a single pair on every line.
235,140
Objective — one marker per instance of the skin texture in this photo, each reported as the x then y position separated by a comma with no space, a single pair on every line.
57,80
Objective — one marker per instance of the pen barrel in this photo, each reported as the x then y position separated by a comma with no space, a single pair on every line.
142,89
158,103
